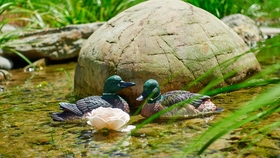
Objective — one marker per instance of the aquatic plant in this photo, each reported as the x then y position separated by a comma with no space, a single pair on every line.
68,75
52,142
268,102
254,111
249,115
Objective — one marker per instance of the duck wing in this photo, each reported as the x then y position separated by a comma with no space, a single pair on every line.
173,97
119,103
63,116
71,107
92,102
85,105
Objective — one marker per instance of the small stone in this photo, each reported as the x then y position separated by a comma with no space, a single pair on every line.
2,89
245,27
5,63
5,75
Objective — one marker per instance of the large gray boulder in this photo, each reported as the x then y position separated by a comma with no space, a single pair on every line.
168,40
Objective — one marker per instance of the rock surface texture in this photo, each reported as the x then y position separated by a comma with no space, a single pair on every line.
54,44
168,40
5,63
245,27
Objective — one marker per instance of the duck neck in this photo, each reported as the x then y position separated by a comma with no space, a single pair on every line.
109,95
155,99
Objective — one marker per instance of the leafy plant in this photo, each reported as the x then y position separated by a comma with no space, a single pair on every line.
45,14
52,142
248,113
252,113
4,6
264,9
5,45
218,8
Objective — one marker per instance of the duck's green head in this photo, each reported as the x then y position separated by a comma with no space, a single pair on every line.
114,84
151,90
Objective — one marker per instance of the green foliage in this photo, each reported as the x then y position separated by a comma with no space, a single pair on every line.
269,102
253,8
252,113
59,13
5,45
106,9
4,6
268,9
219,8
52,142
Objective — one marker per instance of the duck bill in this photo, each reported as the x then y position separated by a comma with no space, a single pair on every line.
143,96
124,84
140,98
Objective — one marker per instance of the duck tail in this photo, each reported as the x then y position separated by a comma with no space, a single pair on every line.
63,116
198,101
71,107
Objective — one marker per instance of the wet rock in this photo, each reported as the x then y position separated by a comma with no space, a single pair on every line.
55,44
270,31
168,40
268,143
37,65
8,28
5,75
5,63
245,27
2,88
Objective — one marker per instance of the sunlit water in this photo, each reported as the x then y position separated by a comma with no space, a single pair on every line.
28,131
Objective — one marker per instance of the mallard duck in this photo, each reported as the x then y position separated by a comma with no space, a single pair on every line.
194,105
109,98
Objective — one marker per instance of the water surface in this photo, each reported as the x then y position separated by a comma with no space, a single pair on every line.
28,131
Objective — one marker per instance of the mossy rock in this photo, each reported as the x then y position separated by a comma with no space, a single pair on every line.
168,40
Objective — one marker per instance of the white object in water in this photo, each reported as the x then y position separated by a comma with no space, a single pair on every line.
111,118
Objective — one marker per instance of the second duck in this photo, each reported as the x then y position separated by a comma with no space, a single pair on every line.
189,104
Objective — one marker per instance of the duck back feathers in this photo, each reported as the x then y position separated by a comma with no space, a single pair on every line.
190,104
118,102
173,97
85,105
80,108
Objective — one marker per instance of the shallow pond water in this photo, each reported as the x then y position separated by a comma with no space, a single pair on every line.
28,131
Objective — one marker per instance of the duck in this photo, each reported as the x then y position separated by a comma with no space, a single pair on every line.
109,98
193,104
